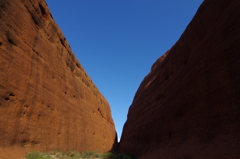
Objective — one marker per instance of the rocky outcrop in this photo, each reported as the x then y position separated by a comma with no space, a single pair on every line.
47,100
188,106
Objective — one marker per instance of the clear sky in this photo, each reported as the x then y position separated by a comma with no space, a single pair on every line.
117,41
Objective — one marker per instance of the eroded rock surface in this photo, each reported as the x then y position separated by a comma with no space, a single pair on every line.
47,100
188,106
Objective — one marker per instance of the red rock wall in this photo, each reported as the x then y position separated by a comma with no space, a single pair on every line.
47,100
188,106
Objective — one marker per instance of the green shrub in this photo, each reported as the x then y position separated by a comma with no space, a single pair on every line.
77,155
88,154
123,156
109,155
37,155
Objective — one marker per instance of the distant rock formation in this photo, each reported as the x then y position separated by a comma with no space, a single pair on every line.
188,106
47,100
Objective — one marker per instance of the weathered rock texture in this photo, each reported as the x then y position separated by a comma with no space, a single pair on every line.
47,100
188,106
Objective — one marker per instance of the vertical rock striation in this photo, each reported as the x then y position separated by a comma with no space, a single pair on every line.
188,106
47,100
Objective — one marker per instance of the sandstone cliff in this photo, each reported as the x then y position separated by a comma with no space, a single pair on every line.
188,106
47,100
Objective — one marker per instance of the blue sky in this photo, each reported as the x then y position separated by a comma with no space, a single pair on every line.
117,41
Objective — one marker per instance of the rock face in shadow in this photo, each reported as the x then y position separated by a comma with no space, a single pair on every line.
188,106
47,100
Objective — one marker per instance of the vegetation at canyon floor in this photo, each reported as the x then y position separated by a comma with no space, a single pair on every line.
77,155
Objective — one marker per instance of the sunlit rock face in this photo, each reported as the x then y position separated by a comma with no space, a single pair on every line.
188,106
47,100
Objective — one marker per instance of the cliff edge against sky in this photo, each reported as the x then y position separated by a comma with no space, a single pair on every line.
188,106
47,100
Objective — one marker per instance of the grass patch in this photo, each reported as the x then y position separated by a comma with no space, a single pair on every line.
37,155
77,155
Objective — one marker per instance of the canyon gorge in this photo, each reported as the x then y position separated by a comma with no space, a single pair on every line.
187,107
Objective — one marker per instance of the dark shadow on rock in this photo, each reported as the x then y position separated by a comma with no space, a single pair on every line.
115,145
